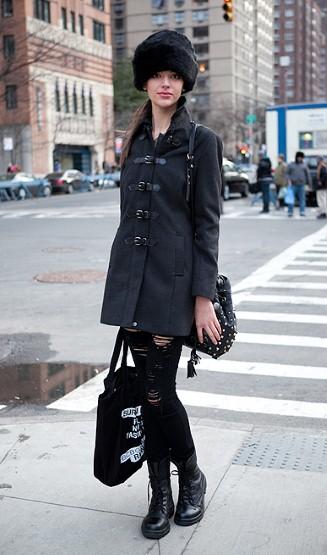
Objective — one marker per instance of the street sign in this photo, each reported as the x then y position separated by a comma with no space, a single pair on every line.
251,118
8,143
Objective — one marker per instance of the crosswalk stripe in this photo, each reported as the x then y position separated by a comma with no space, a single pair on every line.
284,299
282,317
307,263
253,404
294,285
319,248
258,369
313,255
282,340
84,398
304,272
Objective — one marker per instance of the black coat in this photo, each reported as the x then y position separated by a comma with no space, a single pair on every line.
156,268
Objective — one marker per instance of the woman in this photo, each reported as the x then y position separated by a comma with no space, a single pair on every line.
160,278
321,192
265,179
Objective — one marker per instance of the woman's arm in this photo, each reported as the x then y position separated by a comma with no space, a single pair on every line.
207,199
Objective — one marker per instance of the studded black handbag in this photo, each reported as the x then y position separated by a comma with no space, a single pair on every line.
222,302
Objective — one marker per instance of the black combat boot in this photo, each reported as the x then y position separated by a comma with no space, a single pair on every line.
192,488
156,523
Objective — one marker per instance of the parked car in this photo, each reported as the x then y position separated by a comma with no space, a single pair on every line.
249,169
69,181
22,185
235,180
102,180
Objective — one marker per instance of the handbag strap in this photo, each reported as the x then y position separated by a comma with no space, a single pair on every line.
190,196
120,342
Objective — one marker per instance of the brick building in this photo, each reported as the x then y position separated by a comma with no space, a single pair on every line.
56,93
300,51
235,59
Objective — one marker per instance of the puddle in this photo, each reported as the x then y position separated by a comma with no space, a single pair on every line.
42,382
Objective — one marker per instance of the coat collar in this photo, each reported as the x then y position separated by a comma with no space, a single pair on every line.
178,130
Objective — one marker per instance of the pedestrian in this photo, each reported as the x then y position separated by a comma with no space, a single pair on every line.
321,192
161,276
280,178
298,177
265,180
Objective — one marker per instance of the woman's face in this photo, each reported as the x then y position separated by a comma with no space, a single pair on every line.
164,88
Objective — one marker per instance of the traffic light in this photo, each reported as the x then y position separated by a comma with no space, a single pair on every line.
228,9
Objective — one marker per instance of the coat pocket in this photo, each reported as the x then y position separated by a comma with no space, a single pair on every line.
179,255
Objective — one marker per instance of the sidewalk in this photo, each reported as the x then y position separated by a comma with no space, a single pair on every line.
50,502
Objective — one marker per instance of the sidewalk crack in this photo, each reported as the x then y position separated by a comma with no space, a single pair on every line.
70,506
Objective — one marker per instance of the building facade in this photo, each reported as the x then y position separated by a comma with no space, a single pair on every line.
235,59
56,92
300,51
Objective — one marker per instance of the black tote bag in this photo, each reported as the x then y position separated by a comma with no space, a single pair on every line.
119,440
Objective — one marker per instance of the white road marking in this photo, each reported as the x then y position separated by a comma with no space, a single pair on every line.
308,263
253,404
282,340
294,285
2,406
282,317
315,248
84,398
271,268
283,299
304,272
320,255
258,369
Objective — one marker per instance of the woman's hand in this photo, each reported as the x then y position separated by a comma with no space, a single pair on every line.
206,320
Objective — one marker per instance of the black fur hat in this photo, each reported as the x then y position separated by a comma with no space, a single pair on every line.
165,50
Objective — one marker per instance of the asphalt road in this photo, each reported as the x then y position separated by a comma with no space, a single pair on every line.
52,347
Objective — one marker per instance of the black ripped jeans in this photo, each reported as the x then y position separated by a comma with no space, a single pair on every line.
166,422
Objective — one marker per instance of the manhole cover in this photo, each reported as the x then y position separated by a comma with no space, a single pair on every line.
55,250
77,276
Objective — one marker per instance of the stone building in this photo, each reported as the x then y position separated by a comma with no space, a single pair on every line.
56,92
300,51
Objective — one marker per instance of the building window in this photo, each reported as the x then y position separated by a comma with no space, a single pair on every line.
75,101
9,46
57,97
158,4
11,97
98,31
200,15
91,104
200,32
83,102
42,10
119,39
160,19
201,48
7,8
179,3
66,99
73,21
99,4
81,24
64,18
119,9
179,18
119,24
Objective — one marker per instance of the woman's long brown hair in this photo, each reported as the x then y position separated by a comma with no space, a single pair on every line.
138,116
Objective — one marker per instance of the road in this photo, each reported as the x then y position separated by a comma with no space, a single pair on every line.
53,349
